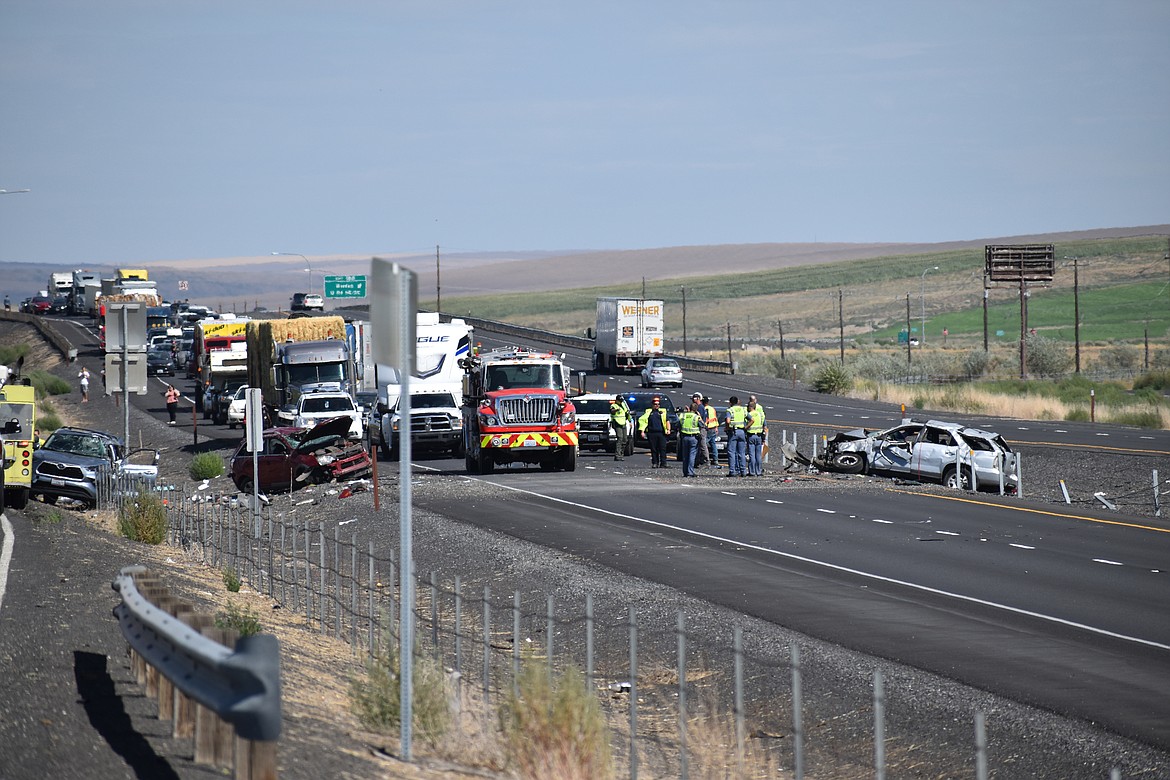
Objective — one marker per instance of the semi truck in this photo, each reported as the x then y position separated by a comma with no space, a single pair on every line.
629,332
213,336
60,282
516,409
77,294
287,358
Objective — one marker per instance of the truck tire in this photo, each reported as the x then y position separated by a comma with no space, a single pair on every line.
18,498
470,463
485,462
569,459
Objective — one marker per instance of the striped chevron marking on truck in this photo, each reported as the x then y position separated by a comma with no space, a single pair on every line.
537,439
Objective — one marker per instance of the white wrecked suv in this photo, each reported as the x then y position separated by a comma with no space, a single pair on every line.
925,450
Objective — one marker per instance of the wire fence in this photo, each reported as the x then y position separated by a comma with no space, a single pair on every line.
672,698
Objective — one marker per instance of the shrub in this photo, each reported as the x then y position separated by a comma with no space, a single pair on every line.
1117,358
554,726
244,621
1154,380
144,519
1139,418
832,378
206,465
975,363
48,384
10,353
1077,414
376,698
231,580
1047,357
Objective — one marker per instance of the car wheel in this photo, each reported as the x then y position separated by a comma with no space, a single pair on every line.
48,499
956,480
849,462
244,485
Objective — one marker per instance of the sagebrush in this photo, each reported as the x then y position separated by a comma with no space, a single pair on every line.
144,519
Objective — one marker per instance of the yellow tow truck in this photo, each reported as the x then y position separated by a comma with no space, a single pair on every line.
18,416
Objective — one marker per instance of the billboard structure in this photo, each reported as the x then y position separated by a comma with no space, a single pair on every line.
1017,264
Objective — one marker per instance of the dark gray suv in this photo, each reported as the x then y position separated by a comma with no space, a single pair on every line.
84,465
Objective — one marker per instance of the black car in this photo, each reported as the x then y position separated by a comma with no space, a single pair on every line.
159,362
222,399
639,402
298,302
60,304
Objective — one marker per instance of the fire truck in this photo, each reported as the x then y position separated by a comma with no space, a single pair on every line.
516,409
18,415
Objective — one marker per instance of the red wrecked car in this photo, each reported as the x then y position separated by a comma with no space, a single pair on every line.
293,457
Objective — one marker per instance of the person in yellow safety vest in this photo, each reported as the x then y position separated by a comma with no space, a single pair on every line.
690,429
735,422
619,418
654,425
757,433
700,453
711,422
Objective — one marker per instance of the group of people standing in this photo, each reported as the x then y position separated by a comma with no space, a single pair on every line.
746,429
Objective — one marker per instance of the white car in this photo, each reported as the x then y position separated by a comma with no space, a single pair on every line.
661,371
237,407
312,408
314,302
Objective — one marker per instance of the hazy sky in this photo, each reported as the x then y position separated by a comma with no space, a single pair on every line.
168,129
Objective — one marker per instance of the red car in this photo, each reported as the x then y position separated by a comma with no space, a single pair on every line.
293,457
40,305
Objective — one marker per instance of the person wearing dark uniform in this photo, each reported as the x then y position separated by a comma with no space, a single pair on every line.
656,427
701,458
735,421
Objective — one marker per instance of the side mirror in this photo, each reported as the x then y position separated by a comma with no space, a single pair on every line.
12,426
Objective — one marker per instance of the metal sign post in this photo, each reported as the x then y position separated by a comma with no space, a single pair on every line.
393,317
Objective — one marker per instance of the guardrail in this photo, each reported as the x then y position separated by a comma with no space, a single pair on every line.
201,684
50,334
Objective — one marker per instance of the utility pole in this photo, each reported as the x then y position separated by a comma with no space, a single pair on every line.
841,322
909,359
730,365
1077,312
986,293
684,294
780,327
438,296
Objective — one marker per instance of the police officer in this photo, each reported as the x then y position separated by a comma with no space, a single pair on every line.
656,427
757,432
619,417
690,428
735,421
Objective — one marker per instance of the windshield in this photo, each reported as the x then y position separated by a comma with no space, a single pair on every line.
591,405
432,401
665,364
23,413
525,375
310,373
76,444
333,403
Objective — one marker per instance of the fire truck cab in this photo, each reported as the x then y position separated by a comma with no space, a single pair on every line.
516,409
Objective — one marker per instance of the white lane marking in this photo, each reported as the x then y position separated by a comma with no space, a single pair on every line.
1022,546
828,511
838,567
773,501
948,533
593,467
1102,434
728,493
1107,562
5,554
883,522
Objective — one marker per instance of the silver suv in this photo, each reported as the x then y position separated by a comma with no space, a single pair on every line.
88,466
939,451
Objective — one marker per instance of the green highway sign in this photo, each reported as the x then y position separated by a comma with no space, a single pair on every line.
345,286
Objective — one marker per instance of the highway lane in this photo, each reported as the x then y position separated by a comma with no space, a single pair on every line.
816,414
1066,612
